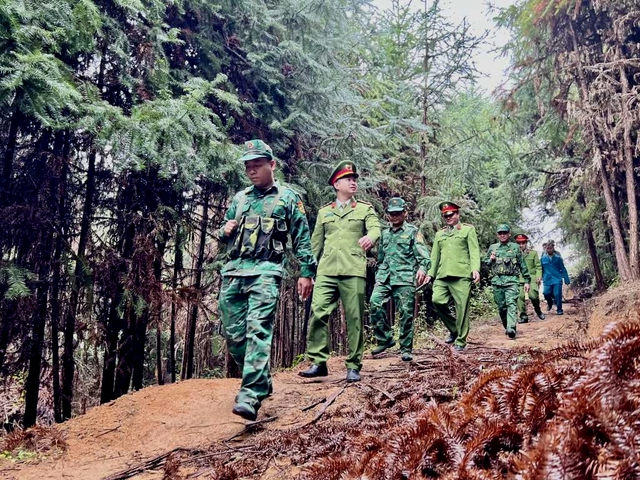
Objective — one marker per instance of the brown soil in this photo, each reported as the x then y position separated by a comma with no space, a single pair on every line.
196,413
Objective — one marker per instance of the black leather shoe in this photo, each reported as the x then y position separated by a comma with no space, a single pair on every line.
541,316
523,320
353,375
381,348
458,348
315,371
559,312
407,357
451,338
270,392
245,411
511,333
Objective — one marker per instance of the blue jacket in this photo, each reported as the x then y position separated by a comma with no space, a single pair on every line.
553,269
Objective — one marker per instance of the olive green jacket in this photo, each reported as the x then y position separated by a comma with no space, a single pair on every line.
508,258
401,254
532,259
455,252
335,238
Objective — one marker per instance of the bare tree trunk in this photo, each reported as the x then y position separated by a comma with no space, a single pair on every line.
177,268
612,212
190,333
63,151
68,362
627,119
111,349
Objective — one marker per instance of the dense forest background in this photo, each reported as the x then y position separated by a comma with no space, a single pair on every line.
119,135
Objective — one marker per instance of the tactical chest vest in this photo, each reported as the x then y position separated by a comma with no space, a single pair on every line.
260,237
506,263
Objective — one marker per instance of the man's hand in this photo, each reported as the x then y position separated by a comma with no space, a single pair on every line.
527,287
420,277
427,279
492,257
476,275
538,280
230,227
366,243
305,286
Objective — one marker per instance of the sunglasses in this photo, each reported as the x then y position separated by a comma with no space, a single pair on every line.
503,233
448,215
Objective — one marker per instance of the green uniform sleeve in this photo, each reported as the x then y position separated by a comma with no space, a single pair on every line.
372,222
435,257
317,239
381,251
230,215
421,252
537,265
300,238
524,270
474,250
487,258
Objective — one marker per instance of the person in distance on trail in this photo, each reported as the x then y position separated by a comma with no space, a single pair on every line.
345,230
403,262
455,258
507,264
553,273
256,227
532,260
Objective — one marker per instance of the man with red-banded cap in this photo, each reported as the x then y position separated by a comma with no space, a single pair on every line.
455,263
345,230
534,266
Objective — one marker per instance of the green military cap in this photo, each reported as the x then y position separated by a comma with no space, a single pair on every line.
445,207
396,204
503,227
343,169
256,149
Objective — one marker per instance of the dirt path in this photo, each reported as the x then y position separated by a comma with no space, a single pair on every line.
197,413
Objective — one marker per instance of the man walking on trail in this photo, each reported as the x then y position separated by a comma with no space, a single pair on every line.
553,273
403,262
455,263
256,228
532,260
506,263
345,230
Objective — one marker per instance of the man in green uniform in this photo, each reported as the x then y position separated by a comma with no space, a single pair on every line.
534,266
403,262
455,258
506,263
255,229
345,230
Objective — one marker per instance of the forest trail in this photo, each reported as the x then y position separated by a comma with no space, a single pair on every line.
197,413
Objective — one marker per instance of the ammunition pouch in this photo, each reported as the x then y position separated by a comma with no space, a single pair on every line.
506,266
262,238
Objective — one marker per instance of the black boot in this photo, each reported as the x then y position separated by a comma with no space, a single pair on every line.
381,348
315,371
353,375
451,338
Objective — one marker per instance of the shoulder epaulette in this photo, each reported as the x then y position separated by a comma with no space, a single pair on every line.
328,204
366,203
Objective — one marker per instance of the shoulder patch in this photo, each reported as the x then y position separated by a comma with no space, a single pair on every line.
300,206
419,237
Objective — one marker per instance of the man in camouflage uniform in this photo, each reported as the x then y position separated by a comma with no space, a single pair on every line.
256,228
345,230
455,263
506,263
534,266
403,262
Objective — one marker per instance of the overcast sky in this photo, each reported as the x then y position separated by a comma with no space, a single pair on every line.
477,13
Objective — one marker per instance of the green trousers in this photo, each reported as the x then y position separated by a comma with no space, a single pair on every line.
248,307
458,290
404,300
326,292
534,296
506,297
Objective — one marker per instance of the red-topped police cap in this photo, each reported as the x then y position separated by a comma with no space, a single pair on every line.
343,169
448,207
521,237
